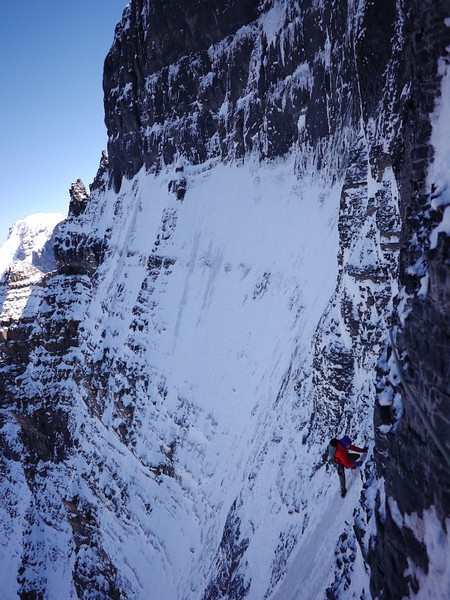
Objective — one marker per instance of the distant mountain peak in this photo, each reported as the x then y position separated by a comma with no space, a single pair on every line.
30,242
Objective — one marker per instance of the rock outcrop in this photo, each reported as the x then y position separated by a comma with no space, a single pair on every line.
78,197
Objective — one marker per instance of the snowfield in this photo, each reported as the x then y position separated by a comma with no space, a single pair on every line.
198,337
251,264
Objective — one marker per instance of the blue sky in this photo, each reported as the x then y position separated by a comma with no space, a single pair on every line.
51,104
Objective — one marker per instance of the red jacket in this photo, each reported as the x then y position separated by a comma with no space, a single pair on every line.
342,454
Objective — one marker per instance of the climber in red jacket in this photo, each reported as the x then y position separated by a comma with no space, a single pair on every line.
344,454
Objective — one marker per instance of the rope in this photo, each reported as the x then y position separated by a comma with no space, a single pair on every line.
426,421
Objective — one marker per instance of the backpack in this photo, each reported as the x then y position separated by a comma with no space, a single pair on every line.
332,446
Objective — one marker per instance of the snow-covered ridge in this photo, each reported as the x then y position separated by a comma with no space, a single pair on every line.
27,240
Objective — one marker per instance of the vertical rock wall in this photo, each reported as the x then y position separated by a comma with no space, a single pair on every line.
248,85
414,474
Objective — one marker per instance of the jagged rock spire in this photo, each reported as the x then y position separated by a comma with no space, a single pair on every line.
78,197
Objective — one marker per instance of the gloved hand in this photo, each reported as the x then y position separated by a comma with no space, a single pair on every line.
343,493
357,463
365,450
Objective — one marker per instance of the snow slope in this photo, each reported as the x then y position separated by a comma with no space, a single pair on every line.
252,264
201,390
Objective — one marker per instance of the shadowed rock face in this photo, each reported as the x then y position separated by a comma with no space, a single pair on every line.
156,67
213,82
415,474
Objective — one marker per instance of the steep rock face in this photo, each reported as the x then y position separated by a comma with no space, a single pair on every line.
415,474
216,95
168,393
